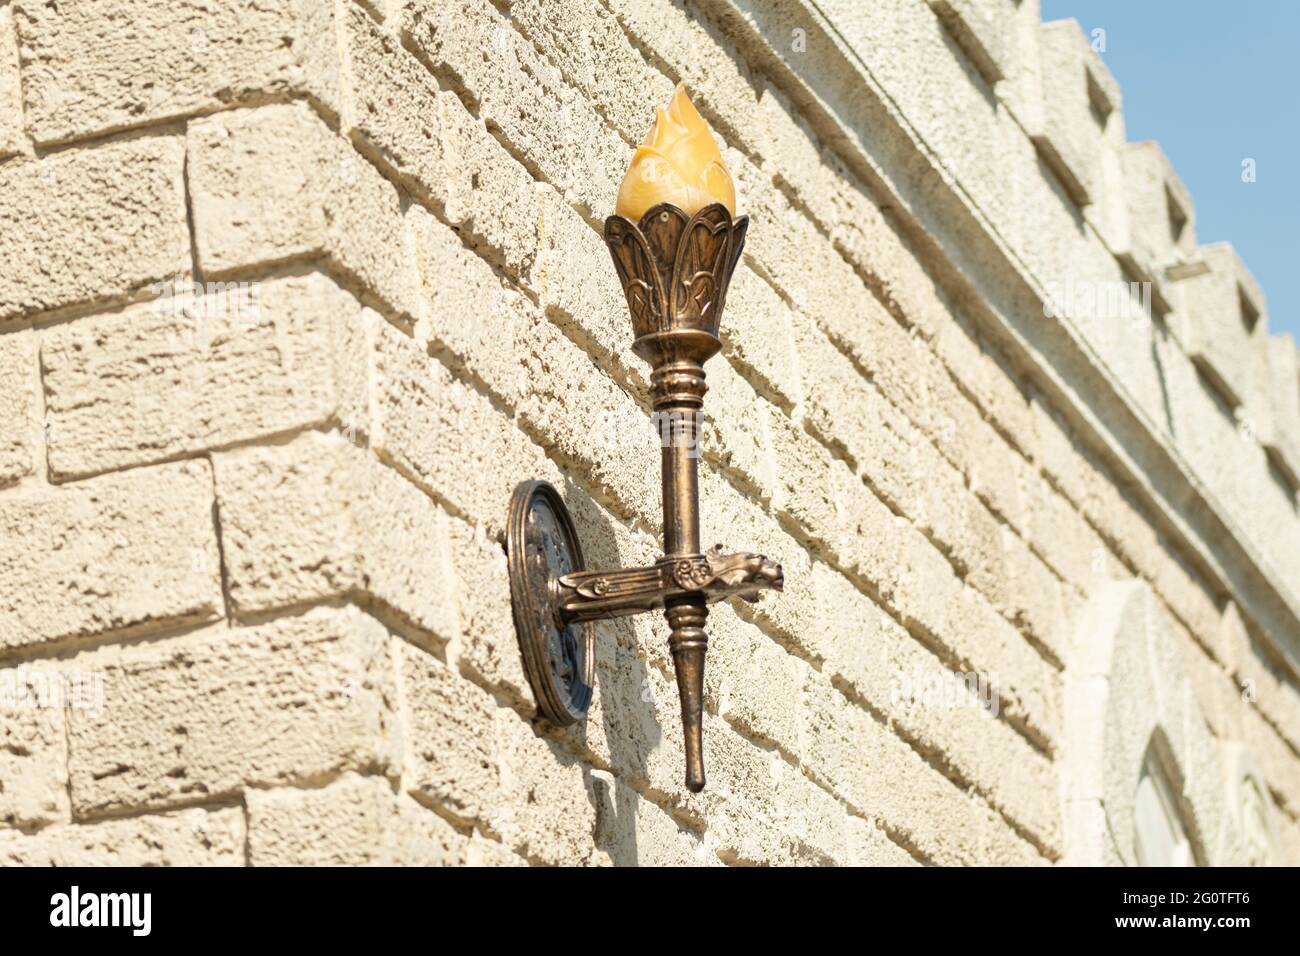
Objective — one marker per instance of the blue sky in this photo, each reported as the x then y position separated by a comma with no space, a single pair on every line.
1215,83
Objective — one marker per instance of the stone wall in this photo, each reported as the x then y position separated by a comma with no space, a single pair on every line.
292,295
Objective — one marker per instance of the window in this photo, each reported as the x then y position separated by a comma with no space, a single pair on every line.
1258,832
1160,838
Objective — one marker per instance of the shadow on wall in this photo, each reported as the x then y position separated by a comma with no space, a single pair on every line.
623,721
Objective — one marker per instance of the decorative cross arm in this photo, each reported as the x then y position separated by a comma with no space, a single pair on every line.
597,595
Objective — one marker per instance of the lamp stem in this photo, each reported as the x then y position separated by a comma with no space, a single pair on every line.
689,643
677,395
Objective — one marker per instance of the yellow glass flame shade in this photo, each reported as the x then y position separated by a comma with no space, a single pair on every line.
678,163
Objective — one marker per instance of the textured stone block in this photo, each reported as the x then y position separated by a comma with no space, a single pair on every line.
448,437
870,658
275,184
89,68
355,821
18,408
720,82
480,763
736,435
947,105
957,428
1161,217
467,310
12,135
1224,326
1275,760
391,101
1283,437
182,374
320,517
757,329
981,29
1219,448
1289,836
858,325
632,831
485,852
759,807
635,727
109,555
546,121
817,817
451,759
1078,93
867,845
548,808
33,752
778,244
881,777
1034,599
490,197
749,816
1087,484
936,709
485,642
792,154
587,422
442,153
753,683
194,837
985,373
744,816
595,55
878,424
91,224
208,714
576,283
287,530
910,575
1066,541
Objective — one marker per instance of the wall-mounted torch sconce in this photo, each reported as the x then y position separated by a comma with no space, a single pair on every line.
675,244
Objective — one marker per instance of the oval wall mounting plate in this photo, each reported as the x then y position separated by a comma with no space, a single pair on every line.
559,657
